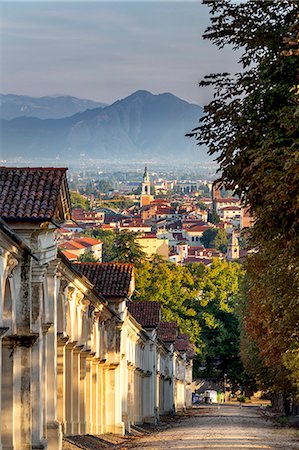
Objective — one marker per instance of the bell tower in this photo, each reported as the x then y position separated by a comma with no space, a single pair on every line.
145,189
233,248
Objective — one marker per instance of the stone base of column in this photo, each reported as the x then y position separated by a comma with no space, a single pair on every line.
68,429
43,444
118,428
82,428
76,428
54,435
125,418
150,419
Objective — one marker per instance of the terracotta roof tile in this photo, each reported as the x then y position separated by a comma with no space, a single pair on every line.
69,255
30,193
148,314
182,343
109,279
168,331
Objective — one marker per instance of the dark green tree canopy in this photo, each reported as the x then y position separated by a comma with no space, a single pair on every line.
252,123
215,238
251,126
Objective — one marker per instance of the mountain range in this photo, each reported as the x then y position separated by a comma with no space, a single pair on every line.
49,107
140,126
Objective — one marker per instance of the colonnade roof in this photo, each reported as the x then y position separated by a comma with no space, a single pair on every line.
109,279
34,194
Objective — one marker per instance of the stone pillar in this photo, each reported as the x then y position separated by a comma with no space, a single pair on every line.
76,389
7,396
16,408
89,392
53,427
82,393
69,399
113,398
38,438
94,399
61,380
102,399
3,330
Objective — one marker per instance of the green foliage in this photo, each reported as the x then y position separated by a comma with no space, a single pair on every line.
253,121
104,186
174,287
213,217
78,201
215,238
118,202
87,257
107,237
202,300
126,249
119,247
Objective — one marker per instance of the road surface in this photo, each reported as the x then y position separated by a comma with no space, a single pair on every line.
229,427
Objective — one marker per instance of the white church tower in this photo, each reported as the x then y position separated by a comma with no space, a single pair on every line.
145,189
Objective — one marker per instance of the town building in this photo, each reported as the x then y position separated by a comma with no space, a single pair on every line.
145,198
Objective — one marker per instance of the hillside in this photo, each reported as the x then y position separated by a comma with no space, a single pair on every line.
142,125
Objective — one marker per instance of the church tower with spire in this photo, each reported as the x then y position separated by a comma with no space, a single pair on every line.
145,198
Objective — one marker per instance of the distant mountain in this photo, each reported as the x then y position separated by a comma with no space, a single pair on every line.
142,126
51,107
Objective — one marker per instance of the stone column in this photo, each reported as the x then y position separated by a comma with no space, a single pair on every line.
89,392
76,389
53,427
61,380
69,399
16,411
83,392
7,396
101,399
94,400
3,330
38,438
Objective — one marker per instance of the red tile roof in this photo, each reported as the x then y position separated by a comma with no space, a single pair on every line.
194,259
109,279
32,193
148,314
198,229
168,331
71,245
182,343
87,241
69,255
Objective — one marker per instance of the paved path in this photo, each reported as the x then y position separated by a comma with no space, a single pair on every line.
229,427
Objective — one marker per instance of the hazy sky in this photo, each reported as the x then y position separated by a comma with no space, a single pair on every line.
107,50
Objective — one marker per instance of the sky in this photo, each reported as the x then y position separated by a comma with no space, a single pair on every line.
104,51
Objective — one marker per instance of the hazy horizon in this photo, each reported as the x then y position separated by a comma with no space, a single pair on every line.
103,51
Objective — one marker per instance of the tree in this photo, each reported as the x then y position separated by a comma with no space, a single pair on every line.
104,186
202,300
126,249
173,286
107,237
87,257
78,201
213,217
215,238
253,123
253,119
